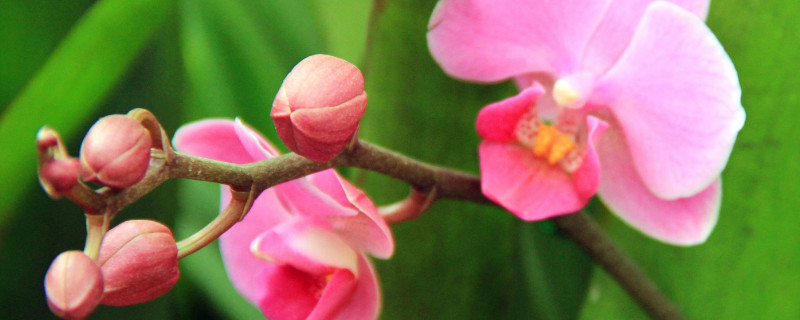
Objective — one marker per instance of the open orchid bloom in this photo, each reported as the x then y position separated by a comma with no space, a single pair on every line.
300,251
639,90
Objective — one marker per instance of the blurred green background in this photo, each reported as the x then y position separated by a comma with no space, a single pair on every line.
66,63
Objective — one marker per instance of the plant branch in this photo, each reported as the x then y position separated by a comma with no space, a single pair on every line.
423,177
588,235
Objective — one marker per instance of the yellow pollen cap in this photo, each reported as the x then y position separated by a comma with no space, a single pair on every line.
564,94
562,146
544,139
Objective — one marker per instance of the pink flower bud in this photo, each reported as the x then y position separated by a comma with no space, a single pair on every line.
115,152
58,176
73,285
318,107
139,260
46,138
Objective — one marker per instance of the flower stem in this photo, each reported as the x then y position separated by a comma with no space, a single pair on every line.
409,208
438,182
588,235
96,227
233,213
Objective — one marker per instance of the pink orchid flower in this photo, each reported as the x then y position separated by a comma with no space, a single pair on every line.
300,251
639,90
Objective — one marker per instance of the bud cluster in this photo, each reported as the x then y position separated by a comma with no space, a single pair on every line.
138,262
316,113
115,153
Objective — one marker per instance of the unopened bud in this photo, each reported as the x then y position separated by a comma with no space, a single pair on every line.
59,176
115,152
73,285
139,260
46,138
319,105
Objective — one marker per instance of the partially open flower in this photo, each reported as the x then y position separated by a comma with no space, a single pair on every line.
319,105
73,285
139,260
115,152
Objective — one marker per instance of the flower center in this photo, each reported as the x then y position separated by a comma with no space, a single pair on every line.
552,144
555,143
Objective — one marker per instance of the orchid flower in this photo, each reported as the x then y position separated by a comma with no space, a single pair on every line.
639,90
300,251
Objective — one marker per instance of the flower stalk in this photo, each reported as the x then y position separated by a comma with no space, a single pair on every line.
426,179
233,213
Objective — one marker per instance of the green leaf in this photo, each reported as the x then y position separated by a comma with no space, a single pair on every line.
71,85
748,268
236,54
460,260
344,27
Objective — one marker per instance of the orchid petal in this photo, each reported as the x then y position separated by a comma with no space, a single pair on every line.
367,231
587,177
306,246
294,294
684,221
214,139
497,122
240,263
527,186
289,293
676,96
618,26
337,295
255,143
491,40
364,302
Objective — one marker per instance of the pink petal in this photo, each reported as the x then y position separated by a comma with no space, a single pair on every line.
294,294
306,246
676,96
214,139
242,266
527,186
336,296
491,40
498,121
363,304
255,143
684,221
616,30
587,177
349,212
367,231
289,293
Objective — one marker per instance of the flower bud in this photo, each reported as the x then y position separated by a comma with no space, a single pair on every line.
73,285
115,152
139,260
59,176
318,107
46,138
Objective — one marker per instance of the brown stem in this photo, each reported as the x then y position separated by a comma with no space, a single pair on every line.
409,208
588,235
258,176
235,211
